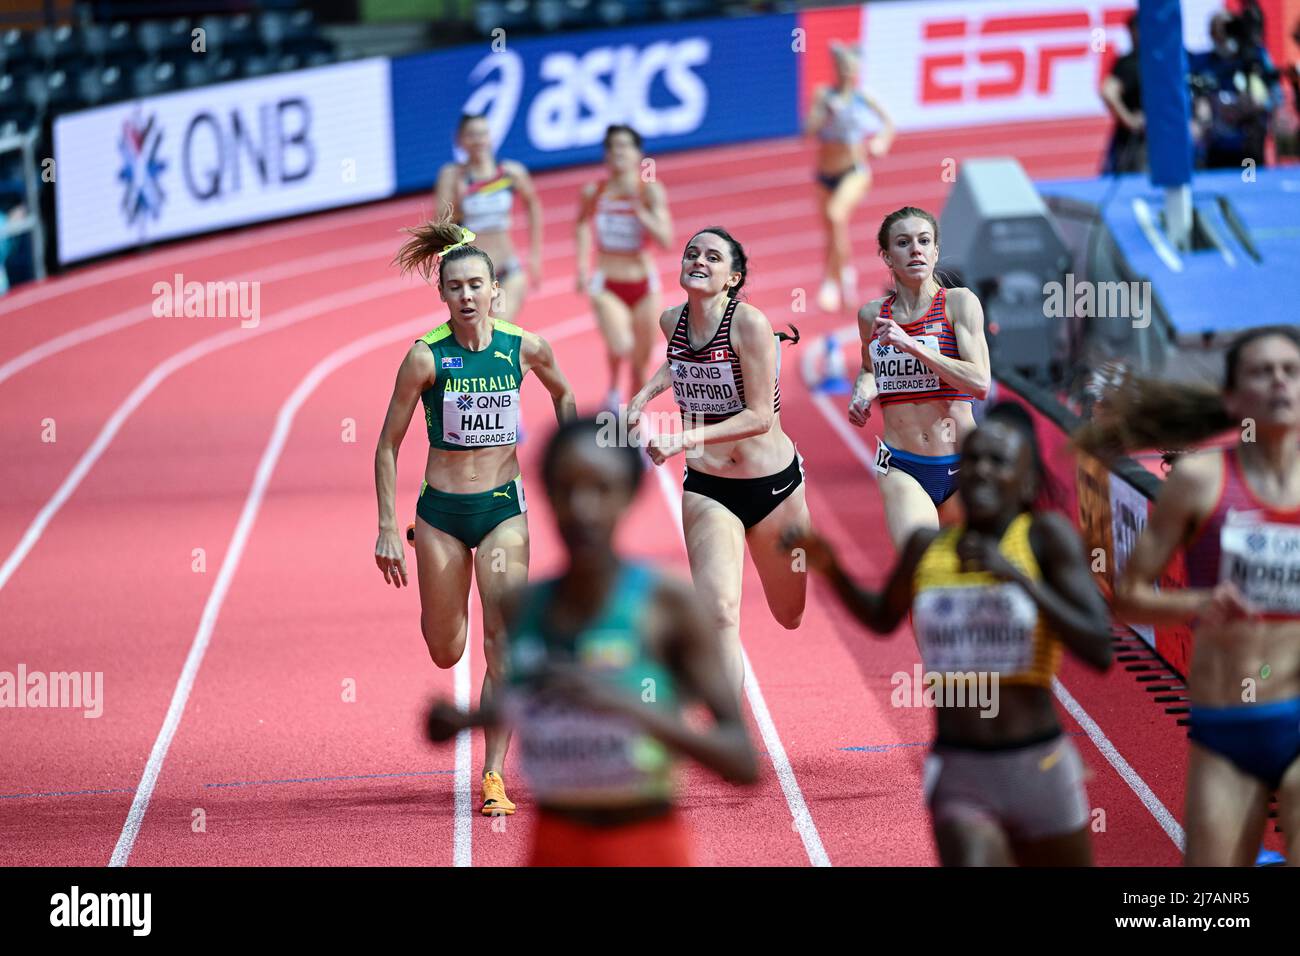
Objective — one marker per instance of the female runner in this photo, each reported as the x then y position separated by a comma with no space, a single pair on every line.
993,601
925,358
602,660
1236,512
481,191
471,512
839,118
625,211
744,478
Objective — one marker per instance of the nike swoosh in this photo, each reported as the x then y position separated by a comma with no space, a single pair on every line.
951,472
779,490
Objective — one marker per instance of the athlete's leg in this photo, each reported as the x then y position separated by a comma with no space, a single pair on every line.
839,211
645,335
615,323
785,581
972,843
443,569
1066,849
514,289
715,544
907,506
1225,812
500,563
1288,812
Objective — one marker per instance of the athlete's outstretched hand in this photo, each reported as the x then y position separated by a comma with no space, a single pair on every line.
1227,603
817,551
391,560
444,721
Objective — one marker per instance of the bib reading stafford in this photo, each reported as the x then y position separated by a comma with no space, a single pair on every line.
705,387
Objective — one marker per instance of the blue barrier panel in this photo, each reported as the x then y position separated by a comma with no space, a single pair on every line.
1166,101
548,101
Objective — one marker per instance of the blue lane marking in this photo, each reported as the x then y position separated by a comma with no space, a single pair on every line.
357,776
60,793
879,748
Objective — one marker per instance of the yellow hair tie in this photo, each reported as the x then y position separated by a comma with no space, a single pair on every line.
466,237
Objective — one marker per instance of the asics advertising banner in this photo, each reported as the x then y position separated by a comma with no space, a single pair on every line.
184,163
549,101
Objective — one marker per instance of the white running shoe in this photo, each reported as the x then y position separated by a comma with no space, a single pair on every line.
828,299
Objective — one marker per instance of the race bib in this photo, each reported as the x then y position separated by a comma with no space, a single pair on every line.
570,752
480,419
897,371
1263,560
619,231
987,628
707,388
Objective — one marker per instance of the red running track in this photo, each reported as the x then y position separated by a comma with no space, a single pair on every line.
178,434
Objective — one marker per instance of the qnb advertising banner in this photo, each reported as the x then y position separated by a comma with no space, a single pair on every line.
941,63
224,155
549,101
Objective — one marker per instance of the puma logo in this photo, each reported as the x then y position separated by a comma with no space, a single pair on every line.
501,494
503,355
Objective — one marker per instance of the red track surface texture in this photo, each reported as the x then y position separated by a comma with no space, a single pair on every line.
175,434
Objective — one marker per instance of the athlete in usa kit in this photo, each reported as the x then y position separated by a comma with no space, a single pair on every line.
471,514
925,361
744,477
1235,512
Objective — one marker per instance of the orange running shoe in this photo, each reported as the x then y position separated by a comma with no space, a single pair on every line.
495,801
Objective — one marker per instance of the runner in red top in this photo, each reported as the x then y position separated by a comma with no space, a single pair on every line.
625,209
925,358
1237,512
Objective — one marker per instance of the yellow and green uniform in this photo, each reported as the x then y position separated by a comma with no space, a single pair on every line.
968,621
578,758
473,403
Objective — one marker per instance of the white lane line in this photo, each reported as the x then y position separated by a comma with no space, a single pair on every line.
212,608
1122,767
1108,750
305,265
360,296
463,817
803,821
230,563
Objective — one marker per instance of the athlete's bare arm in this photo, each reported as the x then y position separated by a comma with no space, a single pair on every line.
528,193
654,215
881,612
1186,500
537,356
864,388
971,372
582,235
880,143
1067,595
416,374
817,115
